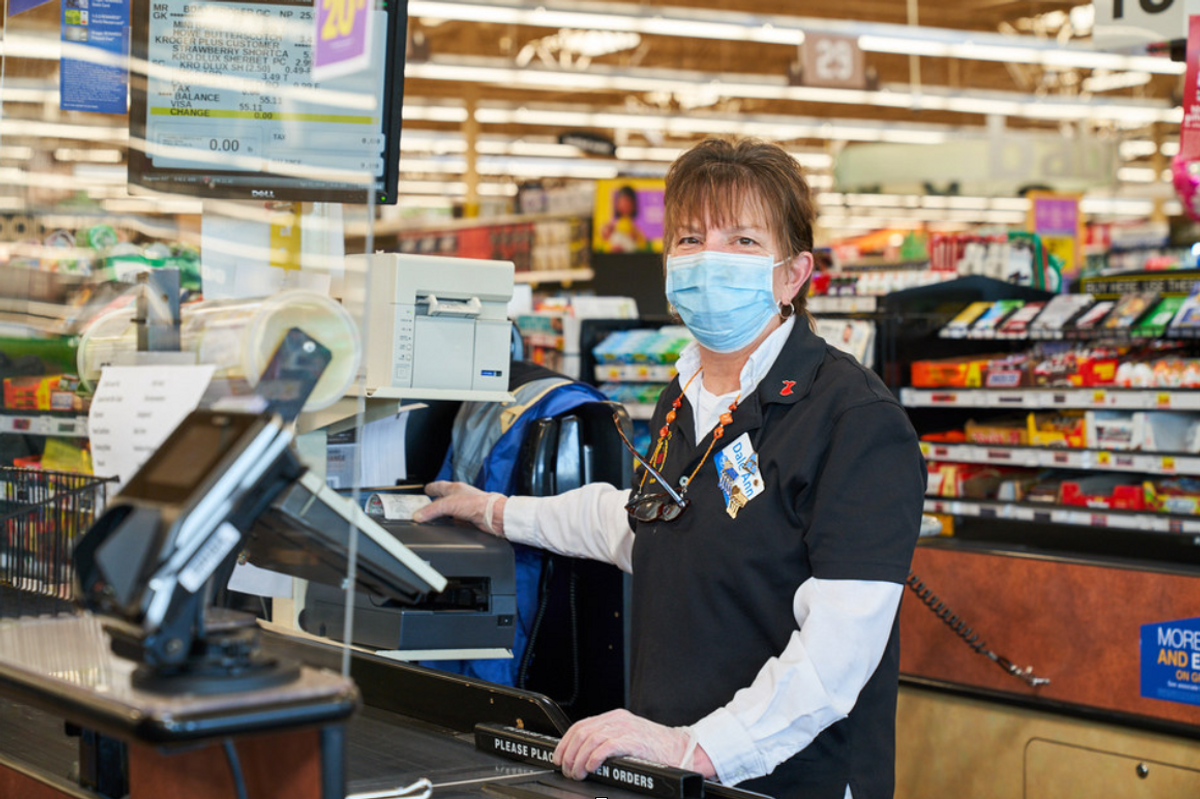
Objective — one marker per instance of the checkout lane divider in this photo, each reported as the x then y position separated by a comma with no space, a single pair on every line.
633,774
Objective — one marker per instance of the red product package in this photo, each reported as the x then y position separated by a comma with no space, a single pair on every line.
1017,325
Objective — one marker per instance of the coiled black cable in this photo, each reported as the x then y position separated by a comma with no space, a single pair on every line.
943,612
573,585
969,636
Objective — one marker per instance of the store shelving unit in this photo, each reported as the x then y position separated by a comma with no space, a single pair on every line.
1044,398
44,424
1138,521
1031,526
1098,460
844,304
1105,334
634,373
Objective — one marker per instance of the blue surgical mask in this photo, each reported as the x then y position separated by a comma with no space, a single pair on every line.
726,299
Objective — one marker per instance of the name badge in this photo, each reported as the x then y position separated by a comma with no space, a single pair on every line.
740,479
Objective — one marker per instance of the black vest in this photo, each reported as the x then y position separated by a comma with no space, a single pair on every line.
712,595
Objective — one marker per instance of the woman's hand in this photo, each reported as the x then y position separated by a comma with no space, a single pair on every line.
460,501
618,732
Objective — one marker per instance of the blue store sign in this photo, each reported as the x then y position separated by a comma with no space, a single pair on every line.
1170,655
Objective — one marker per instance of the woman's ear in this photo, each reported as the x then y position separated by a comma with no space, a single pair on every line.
796,273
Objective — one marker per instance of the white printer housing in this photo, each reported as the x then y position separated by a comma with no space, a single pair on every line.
434,322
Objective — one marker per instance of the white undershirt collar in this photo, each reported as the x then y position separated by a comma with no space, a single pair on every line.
707,406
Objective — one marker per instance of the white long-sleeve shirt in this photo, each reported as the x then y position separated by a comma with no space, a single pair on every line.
843,626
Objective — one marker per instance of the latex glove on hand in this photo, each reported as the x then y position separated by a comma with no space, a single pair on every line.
618,732
461,501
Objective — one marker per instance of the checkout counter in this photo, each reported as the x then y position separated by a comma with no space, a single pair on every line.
153,691
180,698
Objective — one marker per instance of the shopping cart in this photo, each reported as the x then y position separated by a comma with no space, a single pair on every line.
42,514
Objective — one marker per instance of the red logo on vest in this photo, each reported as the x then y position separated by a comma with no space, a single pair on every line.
786,391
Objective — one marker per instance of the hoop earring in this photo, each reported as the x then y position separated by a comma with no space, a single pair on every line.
791,311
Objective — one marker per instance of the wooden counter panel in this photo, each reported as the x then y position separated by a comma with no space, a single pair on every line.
1079,625
14,784
285,765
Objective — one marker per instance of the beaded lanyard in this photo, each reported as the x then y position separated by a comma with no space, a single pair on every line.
664,436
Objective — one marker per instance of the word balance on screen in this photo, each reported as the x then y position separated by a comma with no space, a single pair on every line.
230,96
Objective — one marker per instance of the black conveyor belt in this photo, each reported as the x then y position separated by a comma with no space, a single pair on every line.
386,750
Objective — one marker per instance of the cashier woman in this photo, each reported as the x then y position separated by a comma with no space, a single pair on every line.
764,615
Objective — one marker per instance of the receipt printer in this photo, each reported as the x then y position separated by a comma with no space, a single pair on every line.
435,323
477,608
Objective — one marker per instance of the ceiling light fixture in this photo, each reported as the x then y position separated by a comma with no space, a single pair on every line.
1112,81
606,79
655,21
779,29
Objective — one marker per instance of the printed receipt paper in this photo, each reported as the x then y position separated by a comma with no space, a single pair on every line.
135,409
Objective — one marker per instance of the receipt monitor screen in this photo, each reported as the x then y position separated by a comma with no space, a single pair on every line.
225,105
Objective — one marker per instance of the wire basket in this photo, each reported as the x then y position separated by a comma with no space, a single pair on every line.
41,515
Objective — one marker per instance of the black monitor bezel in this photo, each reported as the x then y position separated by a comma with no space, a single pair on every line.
144,486
273,186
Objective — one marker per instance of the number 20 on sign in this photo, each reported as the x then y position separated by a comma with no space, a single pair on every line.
340,17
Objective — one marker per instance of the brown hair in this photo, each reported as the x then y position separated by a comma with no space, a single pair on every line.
712,180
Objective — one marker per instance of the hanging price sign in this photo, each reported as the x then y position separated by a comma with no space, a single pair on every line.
342,38
833,61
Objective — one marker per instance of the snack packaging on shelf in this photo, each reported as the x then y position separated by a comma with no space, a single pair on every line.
1091,318
618,345
1129,309
946,437
1006,432
1045,489
979,481
1155,323
961,372
1187,318
1056,365
1113,492
1011,371
66,455
665,348
1017,325
959,325
1059,312
643,345
1053,366
1174,495
36,393
1061,429
633,393
971,480
993,316
1096,368
1114,430
1170,372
